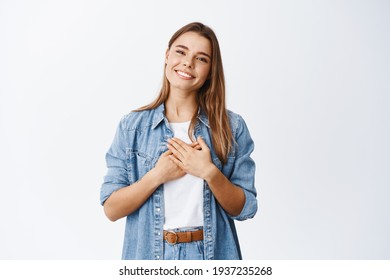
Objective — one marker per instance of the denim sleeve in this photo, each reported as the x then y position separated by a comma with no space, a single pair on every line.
243,174
116,176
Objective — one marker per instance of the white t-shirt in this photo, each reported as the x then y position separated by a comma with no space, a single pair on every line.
183,197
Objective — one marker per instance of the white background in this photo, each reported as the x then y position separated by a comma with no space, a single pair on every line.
311,79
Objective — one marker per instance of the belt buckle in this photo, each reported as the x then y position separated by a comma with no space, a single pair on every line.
174,233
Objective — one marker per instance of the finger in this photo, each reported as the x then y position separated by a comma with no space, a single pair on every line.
178,144
176,161
202,143
174,151
196,146
193,144
166,153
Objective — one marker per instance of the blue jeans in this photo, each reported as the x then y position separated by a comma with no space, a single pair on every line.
184,251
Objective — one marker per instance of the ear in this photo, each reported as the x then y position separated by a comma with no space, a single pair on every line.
166,56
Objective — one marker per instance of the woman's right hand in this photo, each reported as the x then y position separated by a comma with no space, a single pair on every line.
128,199
166,170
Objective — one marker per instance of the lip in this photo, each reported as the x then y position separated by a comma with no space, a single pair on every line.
184,75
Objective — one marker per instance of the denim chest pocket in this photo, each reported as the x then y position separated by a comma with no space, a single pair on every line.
138,163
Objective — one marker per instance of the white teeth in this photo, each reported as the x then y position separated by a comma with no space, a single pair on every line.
184,74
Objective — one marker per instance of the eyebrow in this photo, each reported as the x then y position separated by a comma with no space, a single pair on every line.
186,48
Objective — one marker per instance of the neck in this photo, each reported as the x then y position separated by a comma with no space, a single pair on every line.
180,107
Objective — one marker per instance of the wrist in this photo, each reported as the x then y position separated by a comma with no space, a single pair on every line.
153,178
210,171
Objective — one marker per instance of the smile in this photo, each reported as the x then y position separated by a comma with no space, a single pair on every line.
184,75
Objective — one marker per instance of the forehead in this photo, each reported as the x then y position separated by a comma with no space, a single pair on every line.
194,42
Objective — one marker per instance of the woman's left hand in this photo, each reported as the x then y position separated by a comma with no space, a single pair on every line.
192,159
195,159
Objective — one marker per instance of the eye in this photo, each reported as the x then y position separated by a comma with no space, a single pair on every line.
203,59
180,52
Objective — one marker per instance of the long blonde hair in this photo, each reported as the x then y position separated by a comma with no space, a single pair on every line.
210,97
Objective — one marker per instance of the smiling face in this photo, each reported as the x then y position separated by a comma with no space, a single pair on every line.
188,63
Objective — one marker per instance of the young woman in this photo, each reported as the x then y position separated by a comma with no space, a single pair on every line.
179,169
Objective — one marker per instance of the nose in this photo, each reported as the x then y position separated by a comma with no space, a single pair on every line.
188,63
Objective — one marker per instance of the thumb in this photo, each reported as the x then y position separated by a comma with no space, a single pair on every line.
166,153
202,143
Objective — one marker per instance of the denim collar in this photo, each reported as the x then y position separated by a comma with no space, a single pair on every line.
159,116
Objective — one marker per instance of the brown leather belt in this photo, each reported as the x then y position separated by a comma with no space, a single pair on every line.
182,237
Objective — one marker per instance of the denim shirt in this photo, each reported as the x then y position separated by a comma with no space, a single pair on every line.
140,139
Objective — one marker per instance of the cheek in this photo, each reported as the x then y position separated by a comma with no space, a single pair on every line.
206,72
172,60
168,73
170,64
